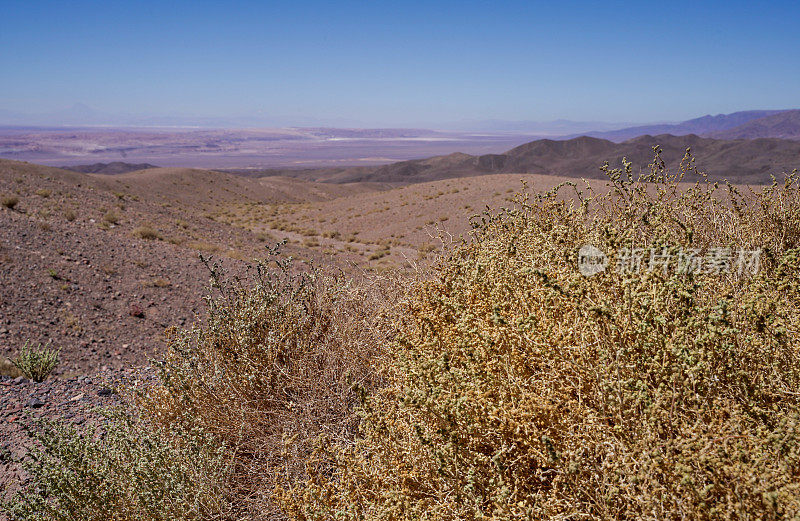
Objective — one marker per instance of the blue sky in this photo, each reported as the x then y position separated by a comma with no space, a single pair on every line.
402,63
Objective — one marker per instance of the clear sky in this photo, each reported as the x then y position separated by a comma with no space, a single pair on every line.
402,62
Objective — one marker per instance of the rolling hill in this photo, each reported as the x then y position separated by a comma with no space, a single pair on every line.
116,167
739,161
100,264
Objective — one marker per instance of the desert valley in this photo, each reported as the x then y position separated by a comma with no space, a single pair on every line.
100,260
407,261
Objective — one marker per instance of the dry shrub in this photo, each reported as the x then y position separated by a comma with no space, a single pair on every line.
204,246
520,389
10,201
277,363
7,368
146,232
281,358
124,470
110,217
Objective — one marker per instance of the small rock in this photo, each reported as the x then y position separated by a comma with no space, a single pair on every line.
136,311
104,391
34,403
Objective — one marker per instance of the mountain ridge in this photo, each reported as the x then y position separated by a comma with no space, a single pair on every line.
703,125
739,161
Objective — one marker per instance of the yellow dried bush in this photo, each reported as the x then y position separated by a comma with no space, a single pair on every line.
277,363
520,389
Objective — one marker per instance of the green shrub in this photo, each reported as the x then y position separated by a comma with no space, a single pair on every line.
520,389
36,363
125,470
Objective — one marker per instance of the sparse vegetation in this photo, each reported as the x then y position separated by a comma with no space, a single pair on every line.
10,201
503,385
159,282
204,246
111,218
146,232
36,363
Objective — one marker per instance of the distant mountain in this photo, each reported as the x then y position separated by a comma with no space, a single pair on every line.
703,126
117,167
783,125
558,127
740,161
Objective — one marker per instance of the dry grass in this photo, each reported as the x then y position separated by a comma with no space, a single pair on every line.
110,217
10,201
7,368
296,352
204,246
146,232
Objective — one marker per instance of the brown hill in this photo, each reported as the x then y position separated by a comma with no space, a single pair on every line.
116,167
194,186
738,161
784,125
100,265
